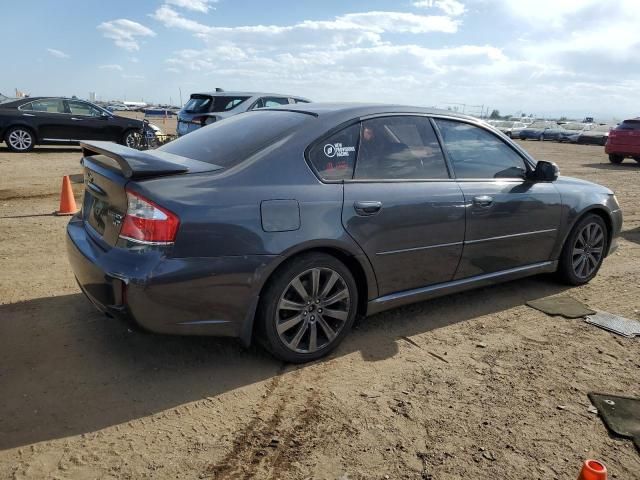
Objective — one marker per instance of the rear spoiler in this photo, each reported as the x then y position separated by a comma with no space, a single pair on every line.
136,163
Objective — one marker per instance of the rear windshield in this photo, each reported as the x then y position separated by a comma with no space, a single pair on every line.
629,125
207,103
228,142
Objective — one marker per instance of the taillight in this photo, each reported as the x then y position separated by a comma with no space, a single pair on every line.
148,223
203,120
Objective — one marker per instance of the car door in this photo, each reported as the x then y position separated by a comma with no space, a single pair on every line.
46,116
510,221
401,206
87,122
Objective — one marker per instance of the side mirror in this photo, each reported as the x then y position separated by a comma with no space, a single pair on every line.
545,172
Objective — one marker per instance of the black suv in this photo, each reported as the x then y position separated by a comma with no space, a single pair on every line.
53,120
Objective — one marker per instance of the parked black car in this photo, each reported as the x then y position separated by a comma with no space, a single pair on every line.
27,122
282,224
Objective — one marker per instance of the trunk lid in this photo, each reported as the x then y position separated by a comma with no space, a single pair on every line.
108,168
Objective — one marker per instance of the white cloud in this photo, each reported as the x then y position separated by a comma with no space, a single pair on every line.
450,7
132,76
57,53
194,5
124,33
112,66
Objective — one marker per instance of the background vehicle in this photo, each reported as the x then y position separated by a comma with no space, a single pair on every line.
624,141
303,216
570,131
509,128
205,108
536,131
598,135
34,121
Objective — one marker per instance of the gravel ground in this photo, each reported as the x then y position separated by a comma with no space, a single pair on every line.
475,385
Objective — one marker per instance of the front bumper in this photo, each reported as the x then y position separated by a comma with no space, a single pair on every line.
185,296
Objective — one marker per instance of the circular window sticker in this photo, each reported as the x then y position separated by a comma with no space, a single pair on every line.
329,150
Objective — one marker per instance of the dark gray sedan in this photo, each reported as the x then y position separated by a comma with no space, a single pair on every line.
283,224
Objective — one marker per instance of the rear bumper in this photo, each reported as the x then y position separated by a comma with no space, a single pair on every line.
184,296
626,150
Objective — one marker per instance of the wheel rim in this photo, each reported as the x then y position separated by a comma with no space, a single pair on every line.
131,139
20,139
313,310
588,250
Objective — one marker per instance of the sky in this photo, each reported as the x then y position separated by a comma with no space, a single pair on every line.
572,58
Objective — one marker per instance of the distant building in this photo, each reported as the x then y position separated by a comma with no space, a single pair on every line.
92,96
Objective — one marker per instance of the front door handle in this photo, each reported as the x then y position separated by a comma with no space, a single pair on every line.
483,201
76,119
367,208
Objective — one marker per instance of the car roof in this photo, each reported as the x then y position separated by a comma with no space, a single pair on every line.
247,94
362,109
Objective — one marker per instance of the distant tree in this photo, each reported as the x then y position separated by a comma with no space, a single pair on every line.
563,119
495,115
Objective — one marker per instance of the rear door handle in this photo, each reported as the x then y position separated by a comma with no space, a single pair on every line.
483,201
367,208
76,119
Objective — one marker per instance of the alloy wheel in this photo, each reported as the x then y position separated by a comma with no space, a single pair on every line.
132,140
313,310
588,250
20,139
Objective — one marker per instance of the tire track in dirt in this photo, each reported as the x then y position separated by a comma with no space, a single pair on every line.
266,448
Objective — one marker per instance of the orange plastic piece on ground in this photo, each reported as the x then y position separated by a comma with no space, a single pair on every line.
593,470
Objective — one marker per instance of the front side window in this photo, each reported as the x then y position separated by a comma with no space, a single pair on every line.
82,108
334,157
48,105
402,147
477,153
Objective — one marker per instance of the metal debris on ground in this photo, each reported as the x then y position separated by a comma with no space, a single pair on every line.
614,323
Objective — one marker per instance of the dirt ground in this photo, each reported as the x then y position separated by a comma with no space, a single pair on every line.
475,385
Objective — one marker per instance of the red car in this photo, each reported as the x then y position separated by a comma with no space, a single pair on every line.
624,141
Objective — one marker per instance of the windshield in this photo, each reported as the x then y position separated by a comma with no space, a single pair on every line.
228,142
203,103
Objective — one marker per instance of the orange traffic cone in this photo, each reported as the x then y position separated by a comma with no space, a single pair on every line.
67,201
593,470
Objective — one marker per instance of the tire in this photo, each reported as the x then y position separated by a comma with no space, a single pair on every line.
616,158
131,138
287,320
583,251
20,139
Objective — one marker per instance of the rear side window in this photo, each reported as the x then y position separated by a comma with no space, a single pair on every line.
335,157
49,105
207,103
403,147
476,153
229,142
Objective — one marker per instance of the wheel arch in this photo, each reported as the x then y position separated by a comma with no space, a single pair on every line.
26,126
595,210
357,263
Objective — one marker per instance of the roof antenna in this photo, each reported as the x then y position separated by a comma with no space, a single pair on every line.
218,89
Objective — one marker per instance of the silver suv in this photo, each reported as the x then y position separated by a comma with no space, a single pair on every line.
205,108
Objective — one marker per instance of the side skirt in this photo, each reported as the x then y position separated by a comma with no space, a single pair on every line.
406,297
